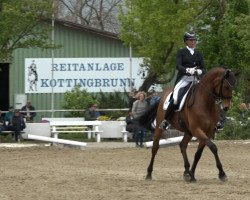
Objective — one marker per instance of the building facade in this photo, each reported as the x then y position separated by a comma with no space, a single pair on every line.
77,42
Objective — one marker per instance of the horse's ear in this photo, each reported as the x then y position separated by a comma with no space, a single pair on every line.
226,73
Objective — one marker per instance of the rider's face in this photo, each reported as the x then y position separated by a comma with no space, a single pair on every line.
191,43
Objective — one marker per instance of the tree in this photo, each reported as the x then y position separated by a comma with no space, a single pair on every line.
20,25
155,30
100,14
226,38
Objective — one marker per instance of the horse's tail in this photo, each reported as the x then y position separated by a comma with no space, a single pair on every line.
148,118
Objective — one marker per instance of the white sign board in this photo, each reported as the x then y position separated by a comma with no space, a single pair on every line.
92,74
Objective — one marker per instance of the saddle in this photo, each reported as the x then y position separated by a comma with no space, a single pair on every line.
182,95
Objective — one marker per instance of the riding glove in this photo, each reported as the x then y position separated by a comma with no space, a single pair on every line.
190,71
198,71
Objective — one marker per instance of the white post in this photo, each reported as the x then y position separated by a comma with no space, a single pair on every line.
130,66
124,132
52,57
89,133
125,136
98,135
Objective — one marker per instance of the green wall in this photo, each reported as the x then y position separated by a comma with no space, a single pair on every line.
76,43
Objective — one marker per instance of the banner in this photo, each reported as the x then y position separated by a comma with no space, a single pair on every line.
92,74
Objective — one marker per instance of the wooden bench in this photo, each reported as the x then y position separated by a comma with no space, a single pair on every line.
76,127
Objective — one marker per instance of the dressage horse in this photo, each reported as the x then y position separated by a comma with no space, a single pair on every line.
198,118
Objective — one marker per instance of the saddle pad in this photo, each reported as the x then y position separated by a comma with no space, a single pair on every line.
180,105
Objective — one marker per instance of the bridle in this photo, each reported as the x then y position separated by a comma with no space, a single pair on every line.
219,97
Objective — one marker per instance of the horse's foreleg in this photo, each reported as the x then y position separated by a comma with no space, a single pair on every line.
183,147
197,157
214,149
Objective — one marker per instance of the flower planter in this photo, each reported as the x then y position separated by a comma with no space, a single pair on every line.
112,129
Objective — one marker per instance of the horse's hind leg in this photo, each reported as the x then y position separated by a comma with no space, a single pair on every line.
150,167
183,147
154,152
213,148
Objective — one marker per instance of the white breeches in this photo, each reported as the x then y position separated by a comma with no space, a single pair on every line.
184,81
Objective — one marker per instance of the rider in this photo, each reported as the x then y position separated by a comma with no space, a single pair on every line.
188,62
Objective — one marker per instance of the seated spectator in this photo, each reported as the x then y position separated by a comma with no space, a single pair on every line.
29,116
90,113
2,127
17,124
9,115
129,122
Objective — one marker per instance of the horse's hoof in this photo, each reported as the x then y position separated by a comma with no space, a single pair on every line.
186,177
148,177
223,178
192,180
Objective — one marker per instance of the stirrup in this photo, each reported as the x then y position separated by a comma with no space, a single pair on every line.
164,125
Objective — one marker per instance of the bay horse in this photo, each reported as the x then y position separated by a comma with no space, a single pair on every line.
197,118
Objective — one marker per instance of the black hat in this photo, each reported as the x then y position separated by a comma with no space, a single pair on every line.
189,36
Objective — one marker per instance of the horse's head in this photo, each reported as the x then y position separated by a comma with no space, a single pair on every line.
223,88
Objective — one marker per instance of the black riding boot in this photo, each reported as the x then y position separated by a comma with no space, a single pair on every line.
168,114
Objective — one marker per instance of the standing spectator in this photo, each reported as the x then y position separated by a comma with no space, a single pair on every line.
153,99
132,99
244,113
138,109
17,124
28,112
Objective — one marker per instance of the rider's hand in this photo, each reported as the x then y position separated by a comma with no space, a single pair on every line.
198,71
190,71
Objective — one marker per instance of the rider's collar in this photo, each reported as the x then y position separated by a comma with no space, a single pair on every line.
191,50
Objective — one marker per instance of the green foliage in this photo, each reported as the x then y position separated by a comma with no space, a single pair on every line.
155,30
113,100
226,38
19,21
236,126
77,99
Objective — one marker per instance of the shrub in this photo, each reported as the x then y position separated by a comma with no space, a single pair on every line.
77,99
80,99
237,126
